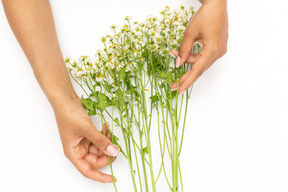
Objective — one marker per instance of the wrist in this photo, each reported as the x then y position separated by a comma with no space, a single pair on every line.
63,97
64,105
55,83
62,94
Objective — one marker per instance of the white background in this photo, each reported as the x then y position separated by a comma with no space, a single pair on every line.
237,135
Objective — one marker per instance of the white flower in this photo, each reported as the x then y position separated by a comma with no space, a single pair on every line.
176,23
99,78
110,65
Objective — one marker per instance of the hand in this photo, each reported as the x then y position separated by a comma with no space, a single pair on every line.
83,144
209,26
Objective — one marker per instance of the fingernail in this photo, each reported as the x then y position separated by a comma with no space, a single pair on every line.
178,60
112,150
108,124
171,54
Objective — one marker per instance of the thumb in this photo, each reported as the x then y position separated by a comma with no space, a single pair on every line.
185,47
102,142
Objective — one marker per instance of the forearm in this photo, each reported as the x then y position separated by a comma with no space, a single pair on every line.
33,25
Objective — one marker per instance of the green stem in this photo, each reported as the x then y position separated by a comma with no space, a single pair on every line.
143,155
184,123
110,162
79,84
128,152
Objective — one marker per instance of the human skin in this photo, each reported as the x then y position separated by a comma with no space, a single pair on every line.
87,148
209,26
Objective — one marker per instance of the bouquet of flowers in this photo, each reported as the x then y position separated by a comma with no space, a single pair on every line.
128,83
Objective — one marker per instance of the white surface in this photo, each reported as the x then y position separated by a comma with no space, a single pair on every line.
236,137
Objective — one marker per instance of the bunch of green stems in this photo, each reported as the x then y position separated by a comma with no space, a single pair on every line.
135,120
129,84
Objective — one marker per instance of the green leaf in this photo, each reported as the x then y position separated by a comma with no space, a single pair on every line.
120,97
96,82
91,113
128,41
154,98
102,97
163,75
129,91
102,105
103,102
94,94
141,133
114,137
126,132
167,76
88,104
116,120
122,73
162,86
145,150
174,93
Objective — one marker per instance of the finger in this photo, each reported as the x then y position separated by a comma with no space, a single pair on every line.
174,85
105,129
198,68
98,162
185,47
100,141
88,171
192,58
213,61
175,53
106,134
94,150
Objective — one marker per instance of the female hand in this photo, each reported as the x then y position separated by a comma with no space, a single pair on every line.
33,24
209,26
83,144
